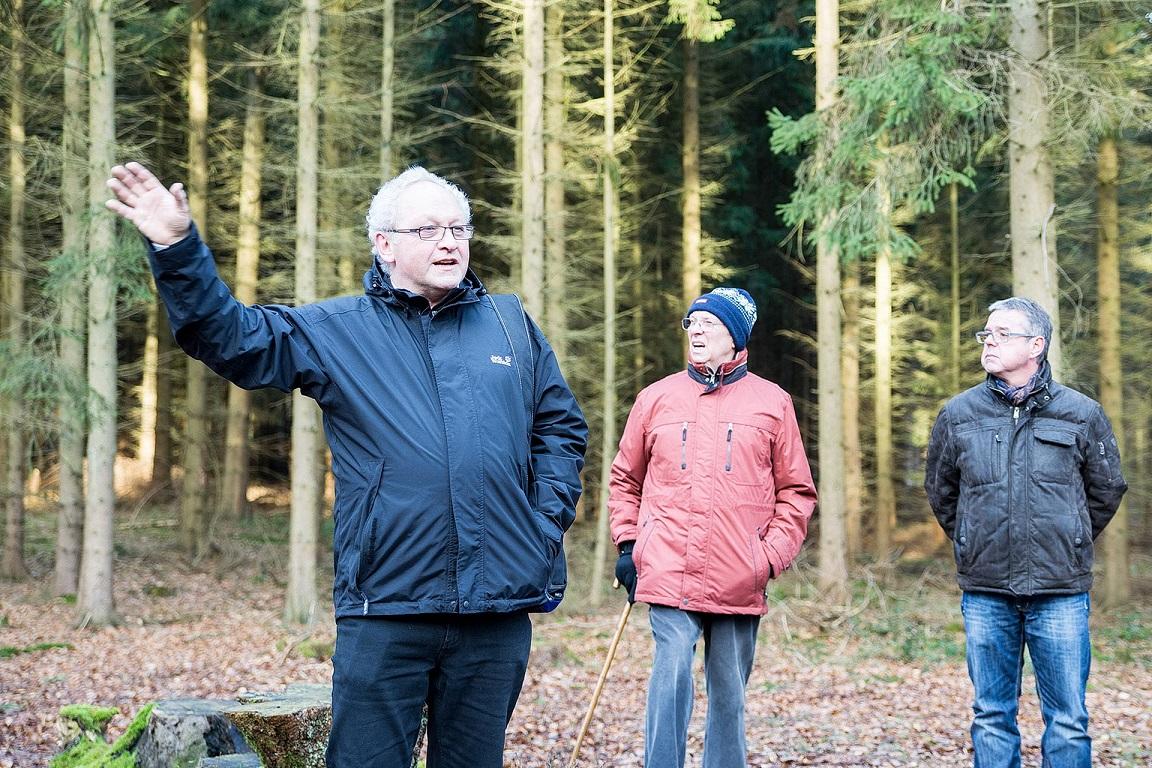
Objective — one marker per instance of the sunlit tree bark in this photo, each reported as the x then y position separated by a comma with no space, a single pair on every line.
387,87
611,204
307,485
833,568
95,603
1031,184
73,204
884,513
555,210
532,159
1117,582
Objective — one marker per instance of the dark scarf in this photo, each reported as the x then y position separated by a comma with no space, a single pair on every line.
1017,395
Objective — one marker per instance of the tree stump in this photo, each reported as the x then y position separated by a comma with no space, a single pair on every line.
288,730
182,731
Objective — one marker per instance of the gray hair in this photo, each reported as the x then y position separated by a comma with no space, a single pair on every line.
382,212
1039,321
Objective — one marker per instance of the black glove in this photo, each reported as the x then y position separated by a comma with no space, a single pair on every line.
626,570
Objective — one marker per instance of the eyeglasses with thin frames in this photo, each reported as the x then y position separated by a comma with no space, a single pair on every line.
1001,337
430,232
703,323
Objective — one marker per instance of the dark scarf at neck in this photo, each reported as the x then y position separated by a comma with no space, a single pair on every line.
1017,395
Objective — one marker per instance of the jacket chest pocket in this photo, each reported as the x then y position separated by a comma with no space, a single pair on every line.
671,445
1055,456
744,453
983,453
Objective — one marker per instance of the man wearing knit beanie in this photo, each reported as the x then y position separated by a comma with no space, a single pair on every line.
732,306
709,499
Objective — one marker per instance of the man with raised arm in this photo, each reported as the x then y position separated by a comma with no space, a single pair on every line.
456,448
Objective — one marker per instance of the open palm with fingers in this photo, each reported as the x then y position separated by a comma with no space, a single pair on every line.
159,213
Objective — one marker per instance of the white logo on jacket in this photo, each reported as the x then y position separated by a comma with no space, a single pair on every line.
505,360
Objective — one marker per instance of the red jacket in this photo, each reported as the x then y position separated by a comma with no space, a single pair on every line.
712,484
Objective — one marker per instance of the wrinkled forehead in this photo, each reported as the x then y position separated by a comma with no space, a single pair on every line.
1008,320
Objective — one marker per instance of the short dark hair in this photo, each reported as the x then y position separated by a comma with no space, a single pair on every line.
1039,321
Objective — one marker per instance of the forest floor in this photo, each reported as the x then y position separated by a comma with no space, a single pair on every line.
879,681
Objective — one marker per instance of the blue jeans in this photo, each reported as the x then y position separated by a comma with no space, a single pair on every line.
1055,631
729,646
469,669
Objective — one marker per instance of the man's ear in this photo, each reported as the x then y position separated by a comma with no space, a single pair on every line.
383,248
1038,345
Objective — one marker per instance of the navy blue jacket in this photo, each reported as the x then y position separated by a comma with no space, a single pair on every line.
1022,490
444,504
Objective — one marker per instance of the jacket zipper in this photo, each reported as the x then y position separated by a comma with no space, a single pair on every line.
684,446
454,532
1008,472
728,450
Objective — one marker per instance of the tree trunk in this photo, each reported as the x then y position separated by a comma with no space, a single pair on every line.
339,258
1117,585
885,511
532,160
149,371
165,347
610,197
95,604
307,485
954,362
73,205
13,565
833,569
850,365
234,485
555,213
1031,186
690,235
193,510
639,303
387,89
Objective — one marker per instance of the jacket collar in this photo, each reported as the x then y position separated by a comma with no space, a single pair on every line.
1041,382
731,371
378,283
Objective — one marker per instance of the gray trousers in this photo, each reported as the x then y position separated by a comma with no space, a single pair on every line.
729,648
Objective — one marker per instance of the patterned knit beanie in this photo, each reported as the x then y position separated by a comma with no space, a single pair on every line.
732,306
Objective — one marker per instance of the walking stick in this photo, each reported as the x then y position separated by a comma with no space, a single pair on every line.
600,683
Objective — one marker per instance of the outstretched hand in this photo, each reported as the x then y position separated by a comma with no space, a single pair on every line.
161,214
